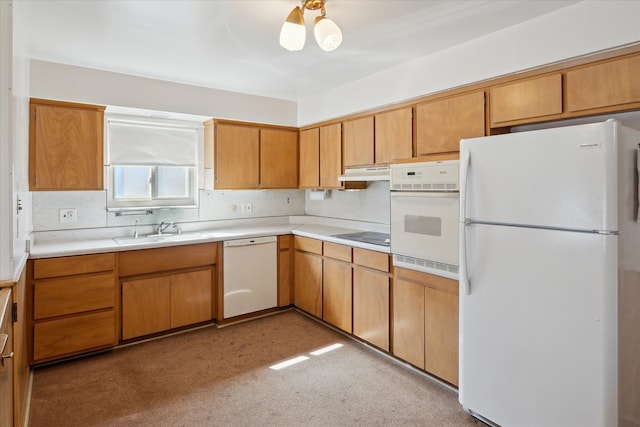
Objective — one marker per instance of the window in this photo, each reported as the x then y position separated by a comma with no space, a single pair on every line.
151,164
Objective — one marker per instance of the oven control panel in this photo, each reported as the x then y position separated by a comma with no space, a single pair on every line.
426,176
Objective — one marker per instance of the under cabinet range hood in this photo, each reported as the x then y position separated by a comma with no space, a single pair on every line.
365,173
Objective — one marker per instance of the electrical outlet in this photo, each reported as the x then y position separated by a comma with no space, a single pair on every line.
68,216
247,208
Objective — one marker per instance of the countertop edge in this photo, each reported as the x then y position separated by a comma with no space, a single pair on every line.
87,247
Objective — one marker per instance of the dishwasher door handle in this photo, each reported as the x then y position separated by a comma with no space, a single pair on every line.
249,242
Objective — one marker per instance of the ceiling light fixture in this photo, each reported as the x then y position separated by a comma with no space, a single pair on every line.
293,33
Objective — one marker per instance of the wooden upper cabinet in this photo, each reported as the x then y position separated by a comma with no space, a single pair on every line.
526,101
65,146
605,85
237,156
330,155
249,157
441,124
278,158
309,158
358,142
393,135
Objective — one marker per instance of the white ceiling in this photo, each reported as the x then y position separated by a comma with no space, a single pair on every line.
233,44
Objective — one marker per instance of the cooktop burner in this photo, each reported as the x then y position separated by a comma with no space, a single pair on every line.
372,237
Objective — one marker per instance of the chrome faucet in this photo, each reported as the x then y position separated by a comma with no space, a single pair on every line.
135,230
164,225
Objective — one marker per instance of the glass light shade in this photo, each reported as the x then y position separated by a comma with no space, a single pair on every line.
293,32
328,34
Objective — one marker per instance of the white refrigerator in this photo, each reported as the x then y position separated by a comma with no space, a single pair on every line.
539,241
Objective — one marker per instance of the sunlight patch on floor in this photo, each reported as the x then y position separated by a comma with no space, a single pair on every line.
296,360
288,363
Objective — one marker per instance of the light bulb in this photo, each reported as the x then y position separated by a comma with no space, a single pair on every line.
327,33
293,32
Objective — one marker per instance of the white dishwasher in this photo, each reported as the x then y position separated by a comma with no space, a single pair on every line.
250,278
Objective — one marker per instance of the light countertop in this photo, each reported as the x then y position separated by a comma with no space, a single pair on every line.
49,249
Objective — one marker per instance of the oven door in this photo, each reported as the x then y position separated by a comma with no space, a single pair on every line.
424,232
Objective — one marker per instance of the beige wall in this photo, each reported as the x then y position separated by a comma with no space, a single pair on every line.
65,82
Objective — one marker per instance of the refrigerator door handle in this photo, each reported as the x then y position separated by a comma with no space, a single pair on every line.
464,171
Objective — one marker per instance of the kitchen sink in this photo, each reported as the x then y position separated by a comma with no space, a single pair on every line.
165,237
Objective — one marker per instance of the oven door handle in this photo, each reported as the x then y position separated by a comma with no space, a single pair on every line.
465,162
427,194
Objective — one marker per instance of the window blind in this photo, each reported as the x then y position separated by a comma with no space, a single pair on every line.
132,143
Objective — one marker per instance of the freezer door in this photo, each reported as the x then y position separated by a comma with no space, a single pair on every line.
538,331
562,177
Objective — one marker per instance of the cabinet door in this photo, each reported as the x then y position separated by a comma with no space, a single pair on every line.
237,155
393,135
191,298
371,306
278,158
607,84
310,158
65,146
6,369
284,271
526,100
357,146
330,156
336,293
308,283
146,306
441,124
441,334
408,321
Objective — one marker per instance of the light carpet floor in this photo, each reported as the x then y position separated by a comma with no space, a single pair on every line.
221,377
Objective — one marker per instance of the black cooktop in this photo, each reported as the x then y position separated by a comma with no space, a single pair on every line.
371,237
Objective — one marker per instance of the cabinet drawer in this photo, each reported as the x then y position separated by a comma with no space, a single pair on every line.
284,242
337,251
73,335
67,266
371,259
308,245
73,295
163,259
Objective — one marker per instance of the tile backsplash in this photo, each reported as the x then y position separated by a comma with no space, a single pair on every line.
370,205
214,205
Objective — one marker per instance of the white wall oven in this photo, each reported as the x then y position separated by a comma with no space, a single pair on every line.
424,216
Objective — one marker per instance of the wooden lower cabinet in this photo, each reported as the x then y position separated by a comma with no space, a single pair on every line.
371,306
425,322
145,306
307,281
285,289
6,368
157,304
167,288
191,298
408,321
336,294
71,306
73,335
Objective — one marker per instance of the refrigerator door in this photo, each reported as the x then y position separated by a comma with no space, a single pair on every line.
538,331
561,178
